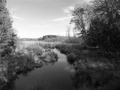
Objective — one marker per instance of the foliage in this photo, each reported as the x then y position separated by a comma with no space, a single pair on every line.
99,23
7,36
53,38
104,27
74,40
23,61
48,36
81,19
64,48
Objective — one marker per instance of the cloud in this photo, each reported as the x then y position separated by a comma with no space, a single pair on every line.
68,16
68,9
81,2
12,13
17,17
39,26
62,18
12,10
34,0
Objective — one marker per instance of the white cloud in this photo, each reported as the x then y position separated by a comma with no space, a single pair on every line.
17,17
68,9
62,19
34,0
40,26
12,10
68,12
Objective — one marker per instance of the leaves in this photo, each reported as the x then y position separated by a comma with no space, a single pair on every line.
7,36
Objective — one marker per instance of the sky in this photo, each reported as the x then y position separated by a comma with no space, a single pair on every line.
36,18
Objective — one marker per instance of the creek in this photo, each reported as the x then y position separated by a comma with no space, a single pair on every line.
52,76
64,75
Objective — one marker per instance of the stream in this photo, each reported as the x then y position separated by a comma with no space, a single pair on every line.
63,75
55,76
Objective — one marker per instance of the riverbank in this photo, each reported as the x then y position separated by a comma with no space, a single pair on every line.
90,68
95,69
24,60
89,57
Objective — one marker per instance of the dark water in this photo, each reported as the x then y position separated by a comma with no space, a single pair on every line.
66,75
55,76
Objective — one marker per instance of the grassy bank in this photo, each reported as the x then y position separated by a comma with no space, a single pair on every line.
94,69
24,60
88,57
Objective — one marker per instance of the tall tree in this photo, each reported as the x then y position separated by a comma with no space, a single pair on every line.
99,23
106,24
7,35
81,19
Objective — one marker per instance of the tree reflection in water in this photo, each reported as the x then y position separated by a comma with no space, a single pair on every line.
13,66
95,79
88,75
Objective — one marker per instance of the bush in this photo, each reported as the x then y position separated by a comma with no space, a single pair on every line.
71,58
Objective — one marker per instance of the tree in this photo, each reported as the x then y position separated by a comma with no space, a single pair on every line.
105,25
68,32
99,23
81,19
7,35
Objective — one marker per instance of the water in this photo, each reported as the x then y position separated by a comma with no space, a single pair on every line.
55,76
64,75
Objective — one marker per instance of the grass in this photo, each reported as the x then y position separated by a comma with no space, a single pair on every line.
94,69
39,52
26,58
88,57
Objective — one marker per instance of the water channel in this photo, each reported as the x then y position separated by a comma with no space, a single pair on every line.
62,75
55,76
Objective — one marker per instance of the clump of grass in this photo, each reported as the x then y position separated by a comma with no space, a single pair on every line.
65,49
24,60
40,53
71,58
12,65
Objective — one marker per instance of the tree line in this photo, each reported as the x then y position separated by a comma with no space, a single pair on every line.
98,23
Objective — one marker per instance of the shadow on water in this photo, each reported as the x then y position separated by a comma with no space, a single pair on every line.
63,75
14,66
96,80
91,74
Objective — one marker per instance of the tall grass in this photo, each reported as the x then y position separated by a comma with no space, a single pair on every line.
24,60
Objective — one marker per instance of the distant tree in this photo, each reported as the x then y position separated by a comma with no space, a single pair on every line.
7,35
48,37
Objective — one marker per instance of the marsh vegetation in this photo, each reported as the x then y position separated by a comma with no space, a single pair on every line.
87,61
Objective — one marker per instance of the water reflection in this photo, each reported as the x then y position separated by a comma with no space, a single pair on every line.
11,67
96,81
88,77
50,77
60,75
